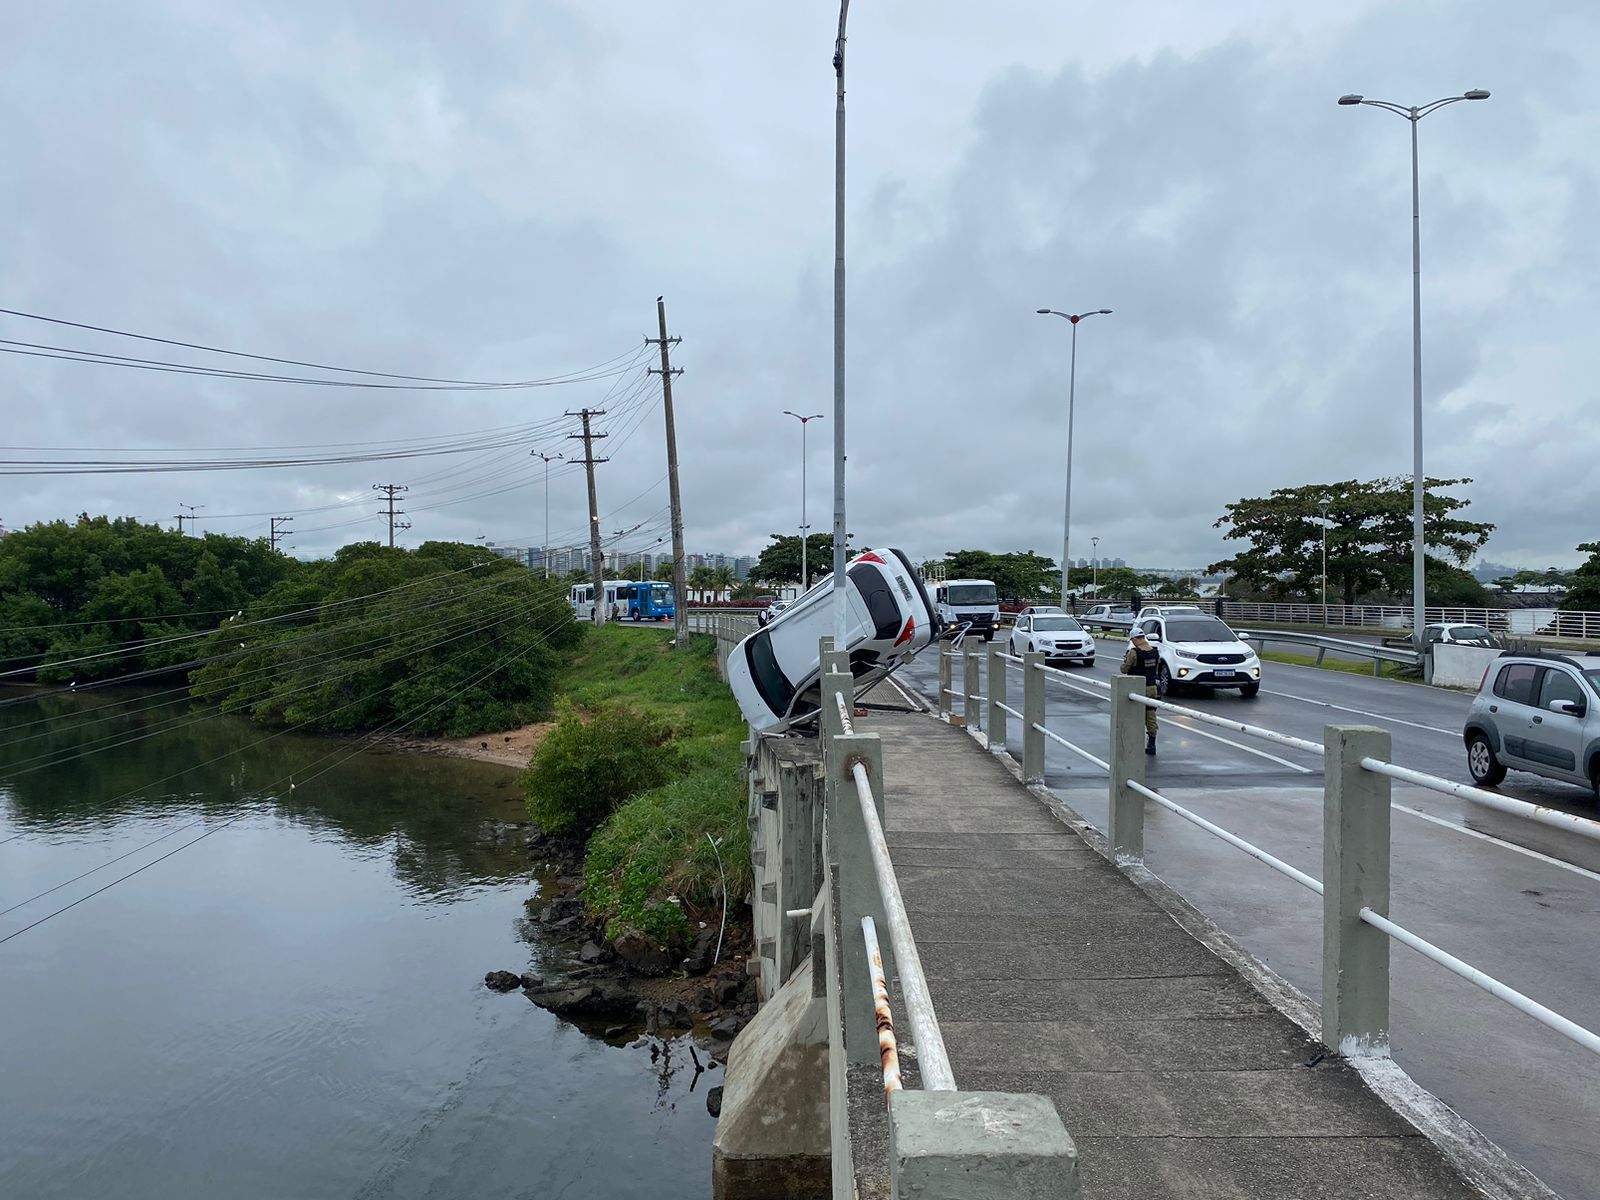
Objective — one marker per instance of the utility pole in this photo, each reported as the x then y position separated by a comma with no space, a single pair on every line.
191,517
179,518
680,576
805,525
597,566
390,491
548,459
278,533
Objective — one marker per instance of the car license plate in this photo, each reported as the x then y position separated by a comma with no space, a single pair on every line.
1224,672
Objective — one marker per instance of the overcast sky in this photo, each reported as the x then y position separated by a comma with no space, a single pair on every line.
500,191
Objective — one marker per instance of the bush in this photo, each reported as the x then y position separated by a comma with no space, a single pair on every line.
650,866
593,761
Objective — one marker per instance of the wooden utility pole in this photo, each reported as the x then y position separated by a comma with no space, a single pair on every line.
277,534
597,570
680,578
391,490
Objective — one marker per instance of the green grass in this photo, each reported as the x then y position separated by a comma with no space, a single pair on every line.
649,866
1389,670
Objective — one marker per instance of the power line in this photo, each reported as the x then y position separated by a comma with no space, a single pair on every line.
289,362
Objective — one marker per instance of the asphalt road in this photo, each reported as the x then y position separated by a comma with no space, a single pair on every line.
1516,899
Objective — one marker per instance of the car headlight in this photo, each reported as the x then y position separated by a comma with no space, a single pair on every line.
1187,654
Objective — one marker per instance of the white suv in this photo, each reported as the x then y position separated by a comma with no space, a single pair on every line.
1200,650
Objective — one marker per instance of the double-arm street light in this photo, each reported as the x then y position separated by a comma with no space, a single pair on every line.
1414,114
1072,383
805,529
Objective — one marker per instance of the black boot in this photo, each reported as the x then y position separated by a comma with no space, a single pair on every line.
1150,744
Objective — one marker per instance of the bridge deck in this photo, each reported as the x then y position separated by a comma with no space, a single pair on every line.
1052,972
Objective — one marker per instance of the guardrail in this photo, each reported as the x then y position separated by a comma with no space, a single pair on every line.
1379,654
1357,779
826,889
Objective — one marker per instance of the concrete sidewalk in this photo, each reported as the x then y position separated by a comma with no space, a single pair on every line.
1053,972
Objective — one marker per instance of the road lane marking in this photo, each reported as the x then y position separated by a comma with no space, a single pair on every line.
1293,766
1486,837
1361,712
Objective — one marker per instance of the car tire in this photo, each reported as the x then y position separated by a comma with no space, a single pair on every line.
1163,681
1250,691
1482,764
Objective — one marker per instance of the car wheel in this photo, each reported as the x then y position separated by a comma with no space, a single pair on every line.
988,635
1250,691
1486,769
1163,681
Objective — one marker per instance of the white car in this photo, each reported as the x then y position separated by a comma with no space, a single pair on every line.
1199,650
770,613
1109,616
775,673
1161,610
1057,636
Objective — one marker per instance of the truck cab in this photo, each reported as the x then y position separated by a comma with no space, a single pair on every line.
973,603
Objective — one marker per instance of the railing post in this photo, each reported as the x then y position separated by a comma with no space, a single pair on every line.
971,689
995,681
1125,828
979,1146
1032,714
1355,875
857,884
944,679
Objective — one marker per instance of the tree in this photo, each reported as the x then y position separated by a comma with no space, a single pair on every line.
723,579
1120,583
1369,537
1017,575
1507,584
663,571
1583,584
780,561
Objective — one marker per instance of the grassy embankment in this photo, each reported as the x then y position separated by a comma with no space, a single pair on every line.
644,761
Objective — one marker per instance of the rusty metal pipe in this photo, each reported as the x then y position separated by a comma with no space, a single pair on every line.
888,1047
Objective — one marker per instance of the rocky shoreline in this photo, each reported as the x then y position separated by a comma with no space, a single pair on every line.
619,992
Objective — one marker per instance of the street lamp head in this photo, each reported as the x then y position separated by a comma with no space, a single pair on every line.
1351,98
1102,312
1476,94
1043,312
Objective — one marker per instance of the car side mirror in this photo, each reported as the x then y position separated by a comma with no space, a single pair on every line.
1152,637
1571,708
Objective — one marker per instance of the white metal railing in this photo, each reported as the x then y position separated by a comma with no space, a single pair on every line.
932,1058
1545,1016
1554,817
1366,1030
1517,622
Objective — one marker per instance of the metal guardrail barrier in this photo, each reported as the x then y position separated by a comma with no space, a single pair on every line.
1378,653
1356,847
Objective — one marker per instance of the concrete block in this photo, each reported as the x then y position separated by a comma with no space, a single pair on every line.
772,1138
1126,824
1032,715
979,1146
995,685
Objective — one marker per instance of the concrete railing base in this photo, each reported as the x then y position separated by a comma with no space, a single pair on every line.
772,1139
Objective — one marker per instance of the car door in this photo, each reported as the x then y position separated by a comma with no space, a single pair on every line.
1516,691
1555,739
1019,635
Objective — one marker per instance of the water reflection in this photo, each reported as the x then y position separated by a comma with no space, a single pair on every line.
294,1006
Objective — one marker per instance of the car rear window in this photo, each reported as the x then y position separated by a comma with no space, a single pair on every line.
770,681
878,598
1516,682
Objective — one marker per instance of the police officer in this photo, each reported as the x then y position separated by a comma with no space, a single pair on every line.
1144,659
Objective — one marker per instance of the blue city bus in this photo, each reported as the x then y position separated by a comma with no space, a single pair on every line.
649,600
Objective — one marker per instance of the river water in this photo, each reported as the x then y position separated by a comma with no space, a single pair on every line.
293,1006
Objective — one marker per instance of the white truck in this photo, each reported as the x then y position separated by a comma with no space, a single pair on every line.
972,603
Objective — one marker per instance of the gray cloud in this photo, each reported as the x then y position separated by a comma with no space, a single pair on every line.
505,193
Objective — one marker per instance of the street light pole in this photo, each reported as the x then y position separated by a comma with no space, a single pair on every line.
1414,114
1094,564
1324,562
548,459
1072,387
841,609
805,528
